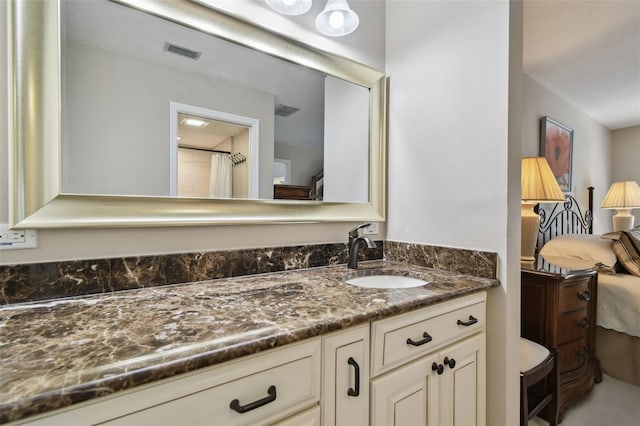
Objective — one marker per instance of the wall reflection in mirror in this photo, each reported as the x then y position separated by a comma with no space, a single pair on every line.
130,81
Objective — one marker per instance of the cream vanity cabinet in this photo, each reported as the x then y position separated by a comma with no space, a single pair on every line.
425,367
277,387
428,366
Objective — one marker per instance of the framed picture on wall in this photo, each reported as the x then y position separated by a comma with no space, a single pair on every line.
556,145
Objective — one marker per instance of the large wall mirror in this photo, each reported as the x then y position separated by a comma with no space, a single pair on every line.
152,113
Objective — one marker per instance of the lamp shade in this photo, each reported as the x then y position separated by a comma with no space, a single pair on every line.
537,182
337,19
622,195
290,7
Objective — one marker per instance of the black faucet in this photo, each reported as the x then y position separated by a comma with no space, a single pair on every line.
354,245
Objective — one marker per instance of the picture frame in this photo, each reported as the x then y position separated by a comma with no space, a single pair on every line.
556,146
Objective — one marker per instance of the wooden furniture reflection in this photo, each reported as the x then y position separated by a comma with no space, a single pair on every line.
559,312
291,192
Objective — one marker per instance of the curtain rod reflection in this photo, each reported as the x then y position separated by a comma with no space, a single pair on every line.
236,157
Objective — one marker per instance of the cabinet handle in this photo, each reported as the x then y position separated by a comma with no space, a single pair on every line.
584,295
584,323
356,391
437,367
426,339
472,320
450,362
235,404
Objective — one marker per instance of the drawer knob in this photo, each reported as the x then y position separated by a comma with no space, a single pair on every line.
584,295
235,404
472,320
450,362
356,391
584,353
426,339
437,367
584,323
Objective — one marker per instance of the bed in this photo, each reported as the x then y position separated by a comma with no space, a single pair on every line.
566,240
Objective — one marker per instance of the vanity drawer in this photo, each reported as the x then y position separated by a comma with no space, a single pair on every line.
406,337
286,385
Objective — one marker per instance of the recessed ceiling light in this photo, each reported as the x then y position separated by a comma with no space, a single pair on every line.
194,122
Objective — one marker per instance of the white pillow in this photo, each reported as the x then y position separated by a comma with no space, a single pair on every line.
579,251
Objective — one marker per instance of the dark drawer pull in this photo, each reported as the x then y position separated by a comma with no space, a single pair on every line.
584,323
450,362
583,353
356,391
472,320
426,339
235,404
437,367
584,295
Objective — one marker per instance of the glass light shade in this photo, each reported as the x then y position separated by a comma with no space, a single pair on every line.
290,7
537,183
622,195
337,19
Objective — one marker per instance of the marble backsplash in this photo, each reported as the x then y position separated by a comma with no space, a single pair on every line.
41,281
471,262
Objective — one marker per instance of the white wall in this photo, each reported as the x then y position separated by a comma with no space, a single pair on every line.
129,113
625,159
449,153
591,145
346,142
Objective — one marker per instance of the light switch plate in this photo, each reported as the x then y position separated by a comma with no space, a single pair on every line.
15,239
374,228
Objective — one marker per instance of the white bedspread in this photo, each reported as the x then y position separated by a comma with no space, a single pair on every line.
619,303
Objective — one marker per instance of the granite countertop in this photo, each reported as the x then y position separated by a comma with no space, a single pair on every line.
59,352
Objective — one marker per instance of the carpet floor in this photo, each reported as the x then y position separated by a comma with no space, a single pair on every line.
610,403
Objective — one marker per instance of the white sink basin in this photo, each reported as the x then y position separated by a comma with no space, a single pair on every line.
386,281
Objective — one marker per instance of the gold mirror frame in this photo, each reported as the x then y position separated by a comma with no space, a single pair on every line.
34,134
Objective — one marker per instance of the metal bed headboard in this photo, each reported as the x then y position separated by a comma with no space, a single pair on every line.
565,218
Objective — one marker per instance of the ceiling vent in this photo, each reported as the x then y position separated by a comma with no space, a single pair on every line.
183,51
285,111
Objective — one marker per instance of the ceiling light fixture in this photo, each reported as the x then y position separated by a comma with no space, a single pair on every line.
290,7
337,19
194,122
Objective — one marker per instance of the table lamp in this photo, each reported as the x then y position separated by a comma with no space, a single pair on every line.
537,185
623,196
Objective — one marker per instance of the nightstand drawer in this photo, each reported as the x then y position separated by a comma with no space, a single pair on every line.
574,296
573,355
572,326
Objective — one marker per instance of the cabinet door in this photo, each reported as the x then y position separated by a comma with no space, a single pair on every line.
345,396
406,396
462,388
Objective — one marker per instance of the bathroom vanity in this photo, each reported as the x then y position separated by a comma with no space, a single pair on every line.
298,347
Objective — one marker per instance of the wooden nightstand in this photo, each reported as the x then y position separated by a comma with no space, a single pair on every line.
559,312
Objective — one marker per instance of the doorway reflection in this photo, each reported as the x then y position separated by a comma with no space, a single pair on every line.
212,158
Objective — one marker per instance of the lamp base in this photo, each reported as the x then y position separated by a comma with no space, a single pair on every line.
623,220
529,234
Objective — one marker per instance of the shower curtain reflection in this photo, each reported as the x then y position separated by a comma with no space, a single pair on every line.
220,180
